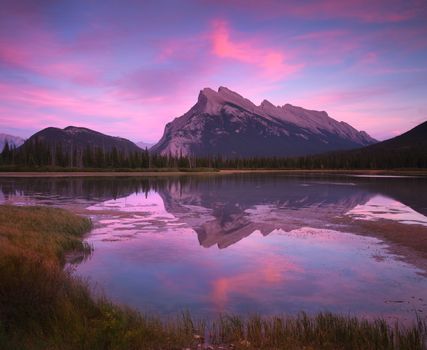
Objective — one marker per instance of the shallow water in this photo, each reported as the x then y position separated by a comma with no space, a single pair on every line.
266,243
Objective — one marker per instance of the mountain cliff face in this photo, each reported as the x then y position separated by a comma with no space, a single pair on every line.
76,138
13,141
223,122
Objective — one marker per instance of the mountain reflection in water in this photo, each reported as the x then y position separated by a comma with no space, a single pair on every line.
284,246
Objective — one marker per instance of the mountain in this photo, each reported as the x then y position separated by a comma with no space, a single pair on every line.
223,122
73,138
14,141
144,145
408,150
414,140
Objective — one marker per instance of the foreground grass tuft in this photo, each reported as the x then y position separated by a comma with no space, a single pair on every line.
40,231
44,307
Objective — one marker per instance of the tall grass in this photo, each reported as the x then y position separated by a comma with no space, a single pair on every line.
323,331
44,307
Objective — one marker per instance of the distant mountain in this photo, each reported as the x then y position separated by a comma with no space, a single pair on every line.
223,122
144,145
74,138
14,141
408,150
414,140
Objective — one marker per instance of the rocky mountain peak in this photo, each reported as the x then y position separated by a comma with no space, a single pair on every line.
267,106
211,101
226,93
267,103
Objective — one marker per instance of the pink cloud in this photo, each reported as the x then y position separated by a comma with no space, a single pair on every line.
363,10
372,109
42,107
379,11
12,55
369,58
333,97
408,38
271,62
330,43
29,44
335,46
379,118
44,57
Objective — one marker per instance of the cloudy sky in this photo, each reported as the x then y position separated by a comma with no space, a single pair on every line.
127,67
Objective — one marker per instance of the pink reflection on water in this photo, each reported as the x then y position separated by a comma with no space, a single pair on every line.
381,207
270,271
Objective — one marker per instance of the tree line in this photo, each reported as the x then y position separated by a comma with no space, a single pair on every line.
38,154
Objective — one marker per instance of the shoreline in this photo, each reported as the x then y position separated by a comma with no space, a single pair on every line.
386,173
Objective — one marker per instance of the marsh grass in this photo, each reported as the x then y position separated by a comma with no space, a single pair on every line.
42,306
323,331
41,231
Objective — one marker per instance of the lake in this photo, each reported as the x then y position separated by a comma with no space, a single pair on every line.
248,243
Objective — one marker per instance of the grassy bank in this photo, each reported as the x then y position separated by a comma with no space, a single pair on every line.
44,307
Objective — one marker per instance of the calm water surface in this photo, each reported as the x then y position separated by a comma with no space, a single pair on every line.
267,244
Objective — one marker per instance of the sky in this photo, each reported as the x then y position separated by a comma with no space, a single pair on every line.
127,67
